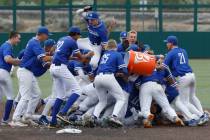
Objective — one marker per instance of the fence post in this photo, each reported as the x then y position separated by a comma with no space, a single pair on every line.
42,12
195,15
160,7
14,14
70,13
128,15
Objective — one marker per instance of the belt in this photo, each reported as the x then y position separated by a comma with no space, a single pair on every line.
57,64
184,74
106,73
158,82
93,43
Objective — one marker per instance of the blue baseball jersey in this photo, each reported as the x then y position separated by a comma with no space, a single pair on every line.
177,61
74,66
124,85
157,76
21,53
66,46
111,62
33,49
98,35
5,50
38,68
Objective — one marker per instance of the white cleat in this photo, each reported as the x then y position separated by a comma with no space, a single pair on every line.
17,124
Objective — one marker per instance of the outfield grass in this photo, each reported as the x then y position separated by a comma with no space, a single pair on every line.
201,68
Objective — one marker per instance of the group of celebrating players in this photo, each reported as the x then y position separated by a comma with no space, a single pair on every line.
91,83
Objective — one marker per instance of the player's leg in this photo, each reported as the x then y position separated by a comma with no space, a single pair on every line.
102,96
75,93
193,98
97,54
145,98
183,109
60,91
161,99
8,91
84,43
34,100
184,93
25,78
124,109
116,91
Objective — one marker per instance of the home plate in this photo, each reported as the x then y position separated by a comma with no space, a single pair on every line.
69,130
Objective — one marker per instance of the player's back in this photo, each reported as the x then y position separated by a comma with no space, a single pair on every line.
157,76
33,49
177,60
111,61
64,49
5,49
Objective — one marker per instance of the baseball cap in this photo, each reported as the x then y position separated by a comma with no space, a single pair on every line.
49,42
171,39
74,29
43,30
92,15
123,35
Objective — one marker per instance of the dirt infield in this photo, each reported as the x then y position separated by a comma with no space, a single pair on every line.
156,133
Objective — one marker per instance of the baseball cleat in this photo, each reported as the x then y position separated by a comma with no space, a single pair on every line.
148,121
114,122
203,119
52,126
192,123
61,117
179,122
17,124
4,123
43,120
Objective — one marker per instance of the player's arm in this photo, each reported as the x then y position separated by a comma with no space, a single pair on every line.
169,77
9,59
82,57
83,12
7,53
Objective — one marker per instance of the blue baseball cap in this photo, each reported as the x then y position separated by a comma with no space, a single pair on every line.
92,15
171,39
49,43
123,35
43,30
74,29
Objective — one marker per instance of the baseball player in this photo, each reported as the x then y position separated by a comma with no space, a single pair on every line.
97,35
125,46
150,88
111,63
6,61
66,46
177,61
33,59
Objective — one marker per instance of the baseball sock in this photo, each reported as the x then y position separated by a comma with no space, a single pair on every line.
8,108
69,103
56,108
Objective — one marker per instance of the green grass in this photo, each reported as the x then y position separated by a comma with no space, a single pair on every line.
201,69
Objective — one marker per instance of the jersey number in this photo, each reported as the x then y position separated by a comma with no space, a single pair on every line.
181,58
105,58
59,45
